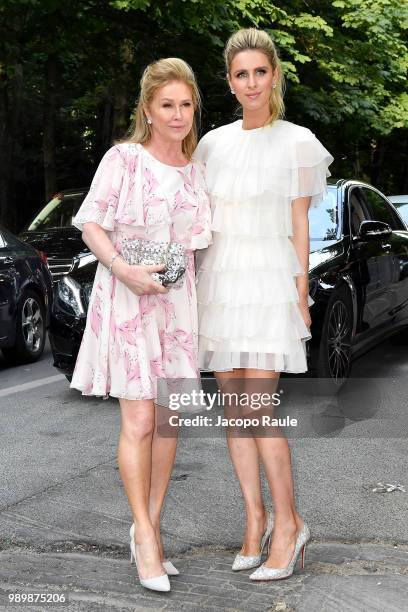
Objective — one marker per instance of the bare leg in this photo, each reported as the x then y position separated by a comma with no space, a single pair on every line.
135,462
245,459
163,455
275,455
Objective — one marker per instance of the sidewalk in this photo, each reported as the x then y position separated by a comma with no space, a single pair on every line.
337,577
64,518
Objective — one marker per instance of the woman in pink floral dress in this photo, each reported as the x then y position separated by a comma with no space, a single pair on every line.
137,331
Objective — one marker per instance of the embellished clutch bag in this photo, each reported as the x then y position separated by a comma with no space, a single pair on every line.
151,253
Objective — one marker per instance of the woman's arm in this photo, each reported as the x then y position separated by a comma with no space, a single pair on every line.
136,278
300,239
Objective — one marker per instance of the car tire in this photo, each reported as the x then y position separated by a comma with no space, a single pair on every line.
30,331
334,356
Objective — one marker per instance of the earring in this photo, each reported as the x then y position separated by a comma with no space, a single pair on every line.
149,121
274,86
232,91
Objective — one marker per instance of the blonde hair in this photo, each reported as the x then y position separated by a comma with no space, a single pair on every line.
155,76
251,38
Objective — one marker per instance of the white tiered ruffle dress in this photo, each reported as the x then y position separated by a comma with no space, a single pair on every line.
249,315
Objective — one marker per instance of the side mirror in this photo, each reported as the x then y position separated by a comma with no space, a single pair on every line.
374,229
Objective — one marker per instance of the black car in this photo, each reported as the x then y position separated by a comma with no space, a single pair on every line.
358,277
51,231
25,299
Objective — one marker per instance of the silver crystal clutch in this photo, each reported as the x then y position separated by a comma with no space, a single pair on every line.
151,253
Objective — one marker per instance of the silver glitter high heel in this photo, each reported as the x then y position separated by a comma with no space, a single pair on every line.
272,573
245,562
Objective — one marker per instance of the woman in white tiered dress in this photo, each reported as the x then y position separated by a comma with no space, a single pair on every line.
262,174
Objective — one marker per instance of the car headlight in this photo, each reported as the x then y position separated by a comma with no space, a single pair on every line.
69,293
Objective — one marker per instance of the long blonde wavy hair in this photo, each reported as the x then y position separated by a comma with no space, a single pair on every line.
155,76
251,38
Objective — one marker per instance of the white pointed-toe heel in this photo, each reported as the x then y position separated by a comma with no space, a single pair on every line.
245,562
272,573
170,568
158,583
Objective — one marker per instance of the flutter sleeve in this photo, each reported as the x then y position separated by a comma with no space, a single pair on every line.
101,202
202,150
312,161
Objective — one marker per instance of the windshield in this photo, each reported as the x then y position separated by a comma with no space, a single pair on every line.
403,211
323,220
59,212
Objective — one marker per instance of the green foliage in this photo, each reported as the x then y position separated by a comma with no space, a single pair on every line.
345,63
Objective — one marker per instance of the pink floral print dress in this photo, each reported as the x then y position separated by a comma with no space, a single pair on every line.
130,341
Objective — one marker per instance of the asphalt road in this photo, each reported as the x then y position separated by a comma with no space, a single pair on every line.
59,479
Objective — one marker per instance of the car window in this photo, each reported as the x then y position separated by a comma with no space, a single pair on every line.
59,212
403,211
7,239
323,220
380,210
359,210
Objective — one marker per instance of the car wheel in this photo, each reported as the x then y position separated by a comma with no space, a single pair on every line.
334,359
30,332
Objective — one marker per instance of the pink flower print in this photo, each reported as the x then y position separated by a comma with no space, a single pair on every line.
101,204
166,347
113,286
96,316
189,181
173,233
150,180
114,336
146,305
130,330
89,387
132,368
132,165
190,274
182,204
185,341
197,229
169,310
156,367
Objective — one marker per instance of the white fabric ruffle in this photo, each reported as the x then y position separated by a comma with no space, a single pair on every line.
284,159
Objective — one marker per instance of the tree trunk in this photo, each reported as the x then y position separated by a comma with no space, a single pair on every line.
50,110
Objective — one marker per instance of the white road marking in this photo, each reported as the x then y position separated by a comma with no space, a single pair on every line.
31,385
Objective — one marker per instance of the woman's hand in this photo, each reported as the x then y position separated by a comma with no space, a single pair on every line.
304,310
138,278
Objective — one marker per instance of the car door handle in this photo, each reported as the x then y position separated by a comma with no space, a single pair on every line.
386,247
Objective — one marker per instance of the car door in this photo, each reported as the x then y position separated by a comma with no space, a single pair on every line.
7,289
393,257
364,258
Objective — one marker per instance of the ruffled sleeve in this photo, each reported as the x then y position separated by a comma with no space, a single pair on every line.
203,149
101,203
201,229
312,162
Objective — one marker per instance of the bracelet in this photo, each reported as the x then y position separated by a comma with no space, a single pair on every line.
112,259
